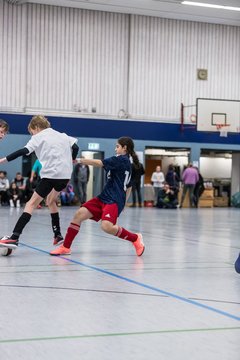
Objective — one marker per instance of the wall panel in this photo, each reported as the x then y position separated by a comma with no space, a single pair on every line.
12,56
72,60
77,59
165,56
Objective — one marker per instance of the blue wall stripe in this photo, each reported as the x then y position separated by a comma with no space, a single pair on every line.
112,129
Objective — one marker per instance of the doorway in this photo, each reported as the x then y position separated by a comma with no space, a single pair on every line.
179,157
96,178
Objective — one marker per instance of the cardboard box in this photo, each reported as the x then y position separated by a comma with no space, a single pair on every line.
207,194
205,203
221,201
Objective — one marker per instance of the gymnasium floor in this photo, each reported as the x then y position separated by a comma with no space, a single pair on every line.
181,300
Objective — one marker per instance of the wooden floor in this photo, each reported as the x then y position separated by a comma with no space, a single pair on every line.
180,300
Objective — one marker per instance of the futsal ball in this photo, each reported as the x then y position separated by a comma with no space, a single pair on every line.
4,251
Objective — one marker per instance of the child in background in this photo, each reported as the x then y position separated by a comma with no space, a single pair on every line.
14,195
109,204
67,195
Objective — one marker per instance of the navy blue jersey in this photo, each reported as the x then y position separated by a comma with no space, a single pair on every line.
118,170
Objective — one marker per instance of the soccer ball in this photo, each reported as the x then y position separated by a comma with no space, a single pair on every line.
4,251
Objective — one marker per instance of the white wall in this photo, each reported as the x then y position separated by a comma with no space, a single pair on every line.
177,160
215,167
66,59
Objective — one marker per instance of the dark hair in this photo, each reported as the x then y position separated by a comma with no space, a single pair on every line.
128,142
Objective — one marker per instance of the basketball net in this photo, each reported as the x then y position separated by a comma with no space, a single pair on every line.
223,129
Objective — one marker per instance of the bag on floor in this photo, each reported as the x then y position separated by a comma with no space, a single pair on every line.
235,201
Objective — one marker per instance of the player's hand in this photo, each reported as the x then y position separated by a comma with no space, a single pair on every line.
2,160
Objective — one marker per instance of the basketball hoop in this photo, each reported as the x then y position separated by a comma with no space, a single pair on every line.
223,129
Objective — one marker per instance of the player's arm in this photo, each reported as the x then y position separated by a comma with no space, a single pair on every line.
15,155
92,162
75,149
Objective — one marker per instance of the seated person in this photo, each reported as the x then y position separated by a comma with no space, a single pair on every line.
167,198
21,184
4,186
14,195
67,195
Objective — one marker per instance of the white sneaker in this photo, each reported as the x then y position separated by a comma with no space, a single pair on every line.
11,203
18,203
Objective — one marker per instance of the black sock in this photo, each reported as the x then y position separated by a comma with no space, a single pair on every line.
20,225
56,224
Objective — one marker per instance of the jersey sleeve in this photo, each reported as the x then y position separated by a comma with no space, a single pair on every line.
111,163
31,145
72,140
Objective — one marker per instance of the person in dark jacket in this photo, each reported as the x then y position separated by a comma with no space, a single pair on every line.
137,172
198,189
167,198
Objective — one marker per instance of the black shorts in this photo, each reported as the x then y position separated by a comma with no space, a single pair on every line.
45,186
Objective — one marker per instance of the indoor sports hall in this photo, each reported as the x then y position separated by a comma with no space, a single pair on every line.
180,299
166,74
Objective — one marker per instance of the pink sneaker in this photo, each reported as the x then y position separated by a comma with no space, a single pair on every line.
139,245
61,250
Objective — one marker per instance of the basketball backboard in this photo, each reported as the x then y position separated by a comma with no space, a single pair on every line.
214,115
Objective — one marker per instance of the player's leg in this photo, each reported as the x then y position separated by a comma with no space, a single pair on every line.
110,212
12,241
55,220
81,215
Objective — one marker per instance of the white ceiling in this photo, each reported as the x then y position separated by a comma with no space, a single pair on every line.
171,9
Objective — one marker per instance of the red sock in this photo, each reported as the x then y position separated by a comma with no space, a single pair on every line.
72,231
126,235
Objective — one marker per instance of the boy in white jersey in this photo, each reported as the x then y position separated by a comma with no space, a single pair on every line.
56,152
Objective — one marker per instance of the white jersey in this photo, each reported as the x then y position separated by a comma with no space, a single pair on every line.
54,151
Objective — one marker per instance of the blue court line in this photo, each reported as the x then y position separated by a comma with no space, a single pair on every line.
149,287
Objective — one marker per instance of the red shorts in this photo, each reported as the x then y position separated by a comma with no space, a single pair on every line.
101,211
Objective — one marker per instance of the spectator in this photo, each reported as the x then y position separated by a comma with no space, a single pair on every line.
137,172
198,189
190,178
35,173
157,181
167,198
81,176
21,185
172,178
4,186
14,195
67,195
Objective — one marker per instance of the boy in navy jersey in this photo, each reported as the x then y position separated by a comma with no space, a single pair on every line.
109,204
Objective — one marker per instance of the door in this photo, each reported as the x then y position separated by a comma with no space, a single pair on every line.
96,178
